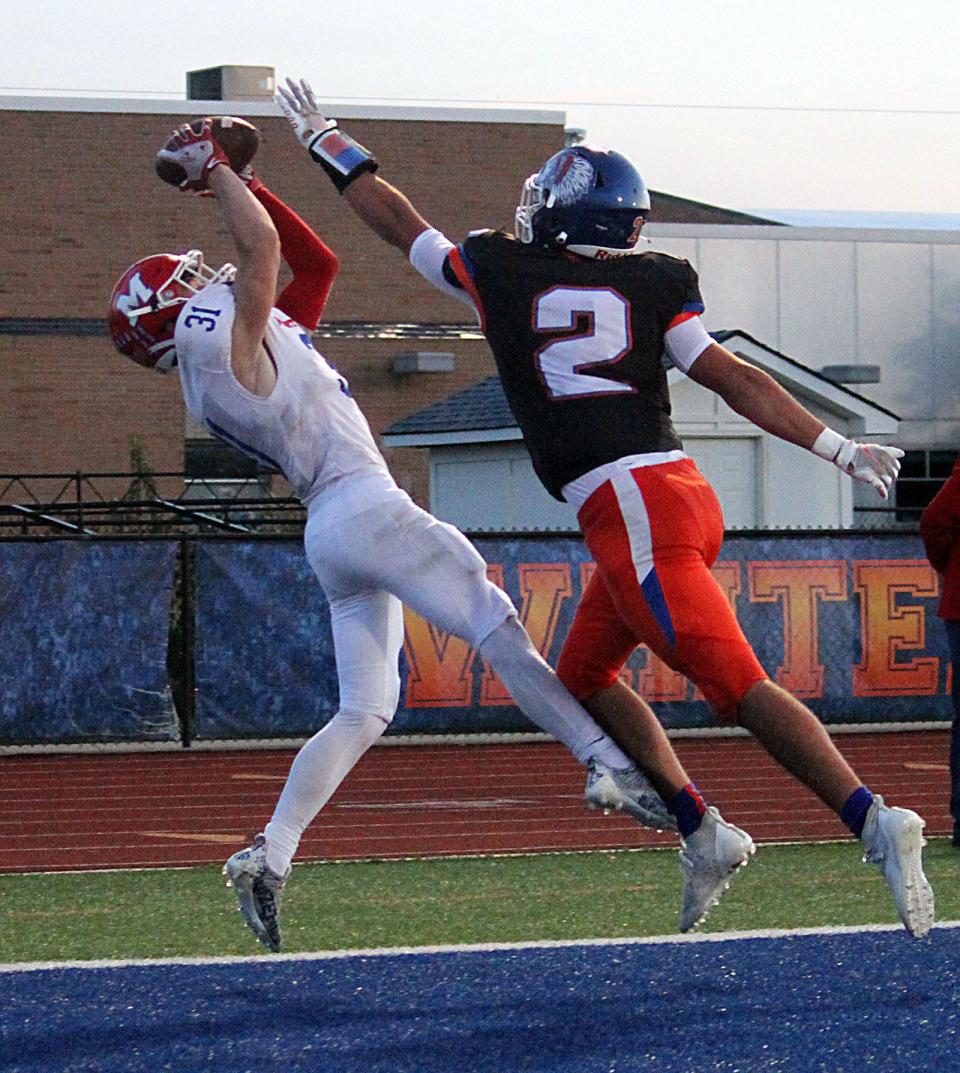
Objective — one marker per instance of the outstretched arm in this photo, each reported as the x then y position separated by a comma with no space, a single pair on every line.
385,210
754,394
258,264
351,167
382,207
254,236
313,263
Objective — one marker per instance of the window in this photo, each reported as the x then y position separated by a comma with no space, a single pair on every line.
922,474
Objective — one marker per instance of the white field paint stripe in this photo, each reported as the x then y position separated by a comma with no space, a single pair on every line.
340,862
472,948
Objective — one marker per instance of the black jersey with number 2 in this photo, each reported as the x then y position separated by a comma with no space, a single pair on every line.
578,345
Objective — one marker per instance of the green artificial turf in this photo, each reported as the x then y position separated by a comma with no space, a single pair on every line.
330,906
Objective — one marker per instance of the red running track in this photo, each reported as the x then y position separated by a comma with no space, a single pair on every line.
110,810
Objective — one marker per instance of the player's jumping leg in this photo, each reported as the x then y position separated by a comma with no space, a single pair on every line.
613,782
367,633
653,532
437,572
892,837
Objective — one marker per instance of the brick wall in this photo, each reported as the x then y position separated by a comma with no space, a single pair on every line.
81,202
74,404
70,404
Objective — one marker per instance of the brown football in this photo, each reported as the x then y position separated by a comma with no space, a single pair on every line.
236,137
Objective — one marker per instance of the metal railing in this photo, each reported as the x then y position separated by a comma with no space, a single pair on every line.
117,503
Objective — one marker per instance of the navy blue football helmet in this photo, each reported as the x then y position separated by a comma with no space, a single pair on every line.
585,199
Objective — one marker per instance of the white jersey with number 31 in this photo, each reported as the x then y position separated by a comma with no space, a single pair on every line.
308,428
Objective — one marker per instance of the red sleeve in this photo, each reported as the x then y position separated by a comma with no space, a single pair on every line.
940,522
313,263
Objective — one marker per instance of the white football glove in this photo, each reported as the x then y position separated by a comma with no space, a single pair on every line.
871,463
342,158
299,104
197,153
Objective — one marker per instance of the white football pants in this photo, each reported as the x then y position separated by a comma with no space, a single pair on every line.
369,563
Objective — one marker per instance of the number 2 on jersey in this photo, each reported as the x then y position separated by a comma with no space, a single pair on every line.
606,340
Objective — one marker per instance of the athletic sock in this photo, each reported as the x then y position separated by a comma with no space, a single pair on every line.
282,842
855,809
689,807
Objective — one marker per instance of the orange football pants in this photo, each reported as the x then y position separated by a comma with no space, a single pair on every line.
654,532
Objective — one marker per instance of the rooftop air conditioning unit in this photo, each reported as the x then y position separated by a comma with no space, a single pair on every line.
232,82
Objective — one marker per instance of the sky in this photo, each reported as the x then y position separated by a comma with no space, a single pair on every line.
820,106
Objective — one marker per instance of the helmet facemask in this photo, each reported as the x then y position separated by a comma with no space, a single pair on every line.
192,274
139,326
531,202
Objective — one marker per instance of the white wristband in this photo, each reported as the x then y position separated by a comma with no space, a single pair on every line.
828,444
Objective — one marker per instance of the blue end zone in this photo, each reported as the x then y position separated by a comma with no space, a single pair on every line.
836,1002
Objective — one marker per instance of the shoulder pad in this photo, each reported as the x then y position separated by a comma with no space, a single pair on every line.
486,239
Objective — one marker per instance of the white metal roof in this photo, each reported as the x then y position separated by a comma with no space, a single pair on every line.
268,108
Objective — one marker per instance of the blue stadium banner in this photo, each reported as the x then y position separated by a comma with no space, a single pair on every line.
845,621
83,641
264,651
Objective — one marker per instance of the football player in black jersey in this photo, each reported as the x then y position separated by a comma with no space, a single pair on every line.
578,320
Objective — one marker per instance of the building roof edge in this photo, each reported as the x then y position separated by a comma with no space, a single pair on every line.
342,110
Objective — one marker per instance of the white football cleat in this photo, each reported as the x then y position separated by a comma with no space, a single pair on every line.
259,891
893,838
708,860
627,790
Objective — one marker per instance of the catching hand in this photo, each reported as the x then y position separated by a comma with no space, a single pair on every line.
197,153
299,105
247,176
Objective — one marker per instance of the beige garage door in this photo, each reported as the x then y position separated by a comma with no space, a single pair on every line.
732,467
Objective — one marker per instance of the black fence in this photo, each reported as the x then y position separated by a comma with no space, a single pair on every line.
143,504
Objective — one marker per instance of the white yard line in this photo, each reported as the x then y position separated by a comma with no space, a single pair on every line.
470,948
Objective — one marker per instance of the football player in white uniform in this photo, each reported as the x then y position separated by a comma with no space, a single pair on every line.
250,373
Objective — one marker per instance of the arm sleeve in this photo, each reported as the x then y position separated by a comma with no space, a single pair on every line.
685,341
685,338
428,255
313,263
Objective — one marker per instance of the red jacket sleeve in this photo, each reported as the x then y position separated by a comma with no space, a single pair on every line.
313,263
940,523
